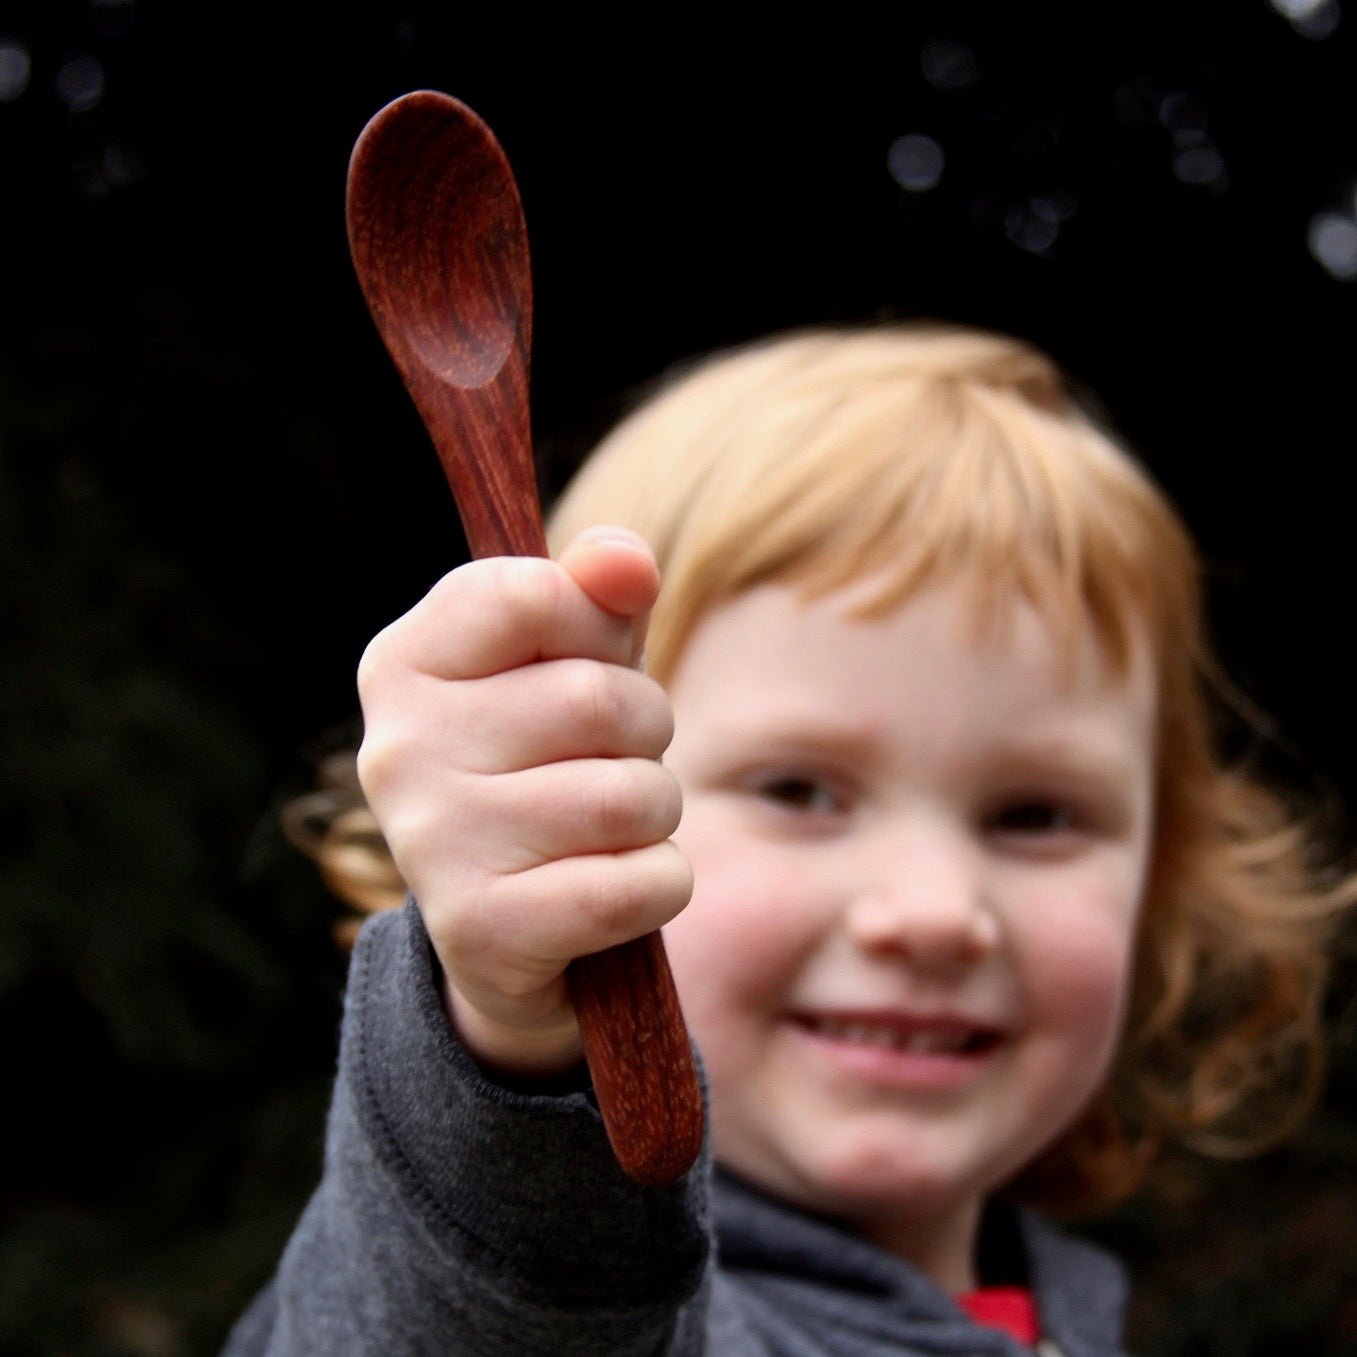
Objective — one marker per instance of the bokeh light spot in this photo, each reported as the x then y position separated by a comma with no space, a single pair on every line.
80,82
915,162
1332,239
15,69
1201,164
1311,18
1055,207
1032,226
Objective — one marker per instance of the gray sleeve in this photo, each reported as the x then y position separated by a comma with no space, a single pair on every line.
456,1216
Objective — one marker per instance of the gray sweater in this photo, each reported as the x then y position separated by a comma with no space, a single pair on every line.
456,1216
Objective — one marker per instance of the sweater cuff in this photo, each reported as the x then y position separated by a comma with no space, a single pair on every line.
525,1179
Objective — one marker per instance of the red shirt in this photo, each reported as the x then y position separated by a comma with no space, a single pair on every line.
1009,1308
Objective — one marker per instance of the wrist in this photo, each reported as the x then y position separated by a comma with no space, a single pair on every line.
517,1053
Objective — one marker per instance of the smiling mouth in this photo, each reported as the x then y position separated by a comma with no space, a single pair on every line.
915,1039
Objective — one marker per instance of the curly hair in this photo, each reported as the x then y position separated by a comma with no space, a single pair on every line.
905,454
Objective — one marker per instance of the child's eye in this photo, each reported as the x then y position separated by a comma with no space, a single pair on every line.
1035,816
796,792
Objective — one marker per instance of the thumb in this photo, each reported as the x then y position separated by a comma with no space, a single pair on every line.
617,569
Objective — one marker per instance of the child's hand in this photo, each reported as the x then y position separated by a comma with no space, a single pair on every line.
511,755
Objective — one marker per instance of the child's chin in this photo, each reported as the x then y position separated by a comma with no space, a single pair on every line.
869,1168
870,1174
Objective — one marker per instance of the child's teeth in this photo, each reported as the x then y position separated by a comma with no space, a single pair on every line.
933,1041
891,1038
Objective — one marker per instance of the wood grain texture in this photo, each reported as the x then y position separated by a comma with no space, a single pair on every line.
639,1058
441,251
440,247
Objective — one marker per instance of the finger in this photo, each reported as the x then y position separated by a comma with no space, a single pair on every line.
574,809
575,906
548,713
493,615
615,567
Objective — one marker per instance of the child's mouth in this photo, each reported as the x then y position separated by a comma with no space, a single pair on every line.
910,1037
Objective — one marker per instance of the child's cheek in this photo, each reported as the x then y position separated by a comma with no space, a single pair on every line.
1076,968
738,946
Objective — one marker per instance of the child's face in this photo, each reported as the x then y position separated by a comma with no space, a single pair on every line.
919,861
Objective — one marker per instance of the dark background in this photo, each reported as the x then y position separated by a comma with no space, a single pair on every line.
213,490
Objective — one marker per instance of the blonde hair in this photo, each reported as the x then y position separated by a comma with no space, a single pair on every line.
903,454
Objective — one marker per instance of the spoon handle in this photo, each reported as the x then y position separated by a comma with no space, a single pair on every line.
635,1041
485,448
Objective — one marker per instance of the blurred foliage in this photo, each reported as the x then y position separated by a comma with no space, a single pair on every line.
165,969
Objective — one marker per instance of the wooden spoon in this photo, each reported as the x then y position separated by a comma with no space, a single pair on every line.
441,251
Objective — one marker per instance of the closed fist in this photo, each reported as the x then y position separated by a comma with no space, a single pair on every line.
512,757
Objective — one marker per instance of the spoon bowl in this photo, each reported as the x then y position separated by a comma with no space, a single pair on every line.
440,247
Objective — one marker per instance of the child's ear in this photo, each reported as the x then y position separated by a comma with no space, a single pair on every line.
616,568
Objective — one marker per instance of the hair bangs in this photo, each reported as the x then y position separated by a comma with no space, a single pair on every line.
829,459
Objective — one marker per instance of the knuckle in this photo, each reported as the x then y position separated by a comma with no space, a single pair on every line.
678,879
373,665
456,589
488,599
615,802
668,802
588,695
643,890
661,717
616,905
645,799
374,763
686,876
525,588
393,765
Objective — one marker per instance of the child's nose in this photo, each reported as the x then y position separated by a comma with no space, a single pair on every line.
924,899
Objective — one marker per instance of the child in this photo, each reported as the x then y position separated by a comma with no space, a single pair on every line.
976,917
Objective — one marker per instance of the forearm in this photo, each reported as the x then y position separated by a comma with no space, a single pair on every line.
458,1216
